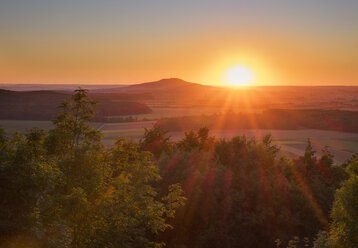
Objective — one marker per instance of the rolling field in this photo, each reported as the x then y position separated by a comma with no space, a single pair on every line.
292,142
131,130
168,112
12,126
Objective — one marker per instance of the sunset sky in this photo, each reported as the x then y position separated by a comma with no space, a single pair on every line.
301,42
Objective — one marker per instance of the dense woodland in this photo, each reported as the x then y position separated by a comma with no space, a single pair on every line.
337,120
64,188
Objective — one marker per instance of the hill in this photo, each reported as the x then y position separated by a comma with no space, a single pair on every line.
284,119
43,105
167,85
56,87
175,92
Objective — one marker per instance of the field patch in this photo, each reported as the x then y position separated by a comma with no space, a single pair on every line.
168,112
292,142
12,126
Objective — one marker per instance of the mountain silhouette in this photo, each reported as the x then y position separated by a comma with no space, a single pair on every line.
163,85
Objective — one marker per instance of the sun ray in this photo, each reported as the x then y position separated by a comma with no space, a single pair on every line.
306,191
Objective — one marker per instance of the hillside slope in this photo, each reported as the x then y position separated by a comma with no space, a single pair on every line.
43,105
164,85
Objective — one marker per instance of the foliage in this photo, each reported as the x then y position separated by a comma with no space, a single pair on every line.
156,141
241,193
65,189
199,140
344,227
26,176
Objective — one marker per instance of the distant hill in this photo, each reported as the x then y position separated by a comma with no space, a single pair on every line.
284,119
178,93
43,105
164,85
175,92
57,87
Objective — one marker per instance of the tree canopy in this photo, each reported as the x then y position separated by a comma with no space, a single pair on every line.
65,189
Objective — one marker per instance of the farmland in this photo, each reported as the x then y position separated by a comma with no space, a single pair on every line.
290,114
292,142
159,112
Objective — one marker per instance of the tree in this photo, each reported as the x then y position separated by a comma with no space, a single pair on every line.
66,189
309,155
76,148
243,193
26,177
156,141
196,140
72,127
132,213
344,227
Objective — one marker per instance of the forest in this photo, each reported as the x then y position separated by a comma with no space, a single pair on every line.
43,105
289,119
65,188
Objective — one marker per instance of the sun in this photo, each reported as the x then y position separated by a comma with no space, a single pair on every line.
239,75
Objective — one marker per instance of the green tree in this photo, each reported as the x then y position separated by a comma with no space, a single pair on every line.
309,155
242,193
131,213
76,148
343,230
196,140
66,189
106,198
72,127
26,177
156,141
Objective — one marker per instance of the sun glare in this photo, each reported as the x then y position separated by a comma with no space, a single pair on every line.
239,76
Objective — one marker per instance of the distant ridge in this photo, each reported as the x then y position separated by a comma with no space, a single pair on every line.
43,105
57,87
163,85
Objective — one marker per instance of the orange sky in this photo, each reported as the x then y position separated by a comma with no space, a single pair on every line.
109,42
